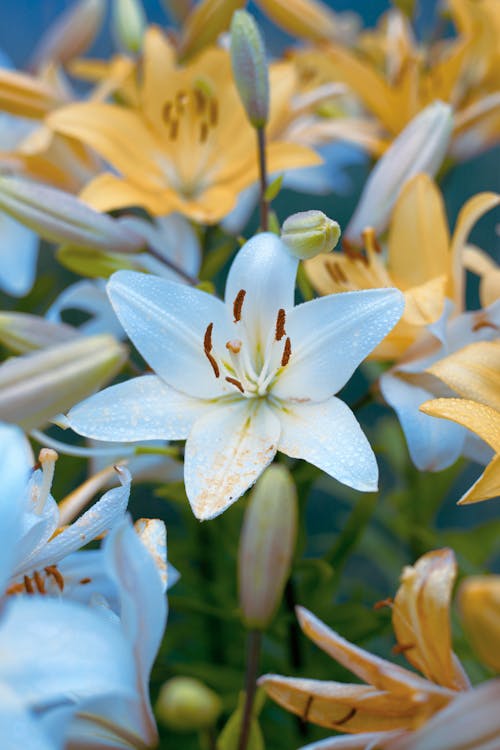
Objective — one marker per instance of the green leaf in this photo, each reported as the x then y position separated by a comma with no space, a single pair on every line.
215,259
273,189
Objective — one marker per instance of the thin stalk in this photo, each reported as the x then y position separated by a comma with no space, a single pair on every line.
254,642
264,205
193,280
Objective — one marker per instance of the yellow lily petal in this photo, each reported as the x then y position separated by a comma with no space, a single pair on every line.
419,240
348,708
486,487
420,617
424,303
483,265
473,372
470,213
305,19
479,602
481,419
108,192
207,20
21,94
159,61
372,669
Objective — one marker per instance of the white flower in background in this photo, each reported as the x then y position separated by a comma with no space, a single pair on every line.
434,443
245,378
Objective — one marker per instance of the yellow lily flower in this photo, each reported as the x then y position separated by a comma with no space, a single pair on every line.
421,259
474,373
390,697
479,602
178,150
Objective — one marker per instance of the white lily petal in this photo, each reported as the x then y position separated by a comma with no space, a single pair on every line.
144,408
88,297
153,534
167,322
18,727
330,336
328,435
18,256
434,444
265,270
226,452
39,660
101,517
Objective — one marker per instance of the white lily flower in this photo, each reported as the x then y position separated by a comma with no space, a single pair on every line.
245,378
434,443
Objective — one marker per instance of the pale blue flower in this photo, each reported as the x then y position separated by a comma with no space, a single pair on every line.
245,378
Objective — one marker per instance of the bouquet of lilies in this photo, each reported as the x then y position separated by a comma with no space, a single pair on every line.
233,306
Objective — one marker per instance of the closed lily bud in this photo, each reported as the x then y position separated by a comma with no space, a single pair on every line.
266,545
58,216
71,34
479,602
36,387
22,332
420,147
206,21
187,705
248,60
129,24
309,233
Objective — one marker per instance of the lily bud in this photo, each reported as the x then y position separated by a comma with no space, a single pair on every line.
36,387
71,34
22,332
187,705
266,545
420,147
479,602
310,233
129,24
204,24
309,19
248,60
58,216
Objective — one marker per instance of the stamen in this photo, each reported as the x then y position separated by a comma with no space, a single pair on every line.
340,272
238,304
479,324
200,101
203,132
383,603
213,112
39,582
174,130
167,111
207,348
287,351
370,240
234,346
47,460
28,585
52,570
237,383
180,100
280,324
84,581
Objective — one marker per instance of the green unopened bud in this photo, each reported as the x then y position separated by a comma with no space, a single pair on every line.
309,233
129,24
95,264
187,705
266,545
248,59
205,22
58,216
36,387
22,332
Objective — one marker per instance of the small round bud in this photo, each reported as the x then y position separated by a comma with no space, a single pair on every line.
128,24
187,705
248,59
309,233
479,602
266,545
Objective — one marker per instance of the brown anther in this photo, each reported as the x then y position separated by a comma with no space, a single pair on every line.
352,712
83,581
332,272
207,348
307,708
287,351
238,304
37,466
280,325
174,130
200,101
384,603
400,648
40,584
370,240
340,272
237,383
15,588
166,112
28,585
213,112
482,323
180,99
203,132
234,346
52,570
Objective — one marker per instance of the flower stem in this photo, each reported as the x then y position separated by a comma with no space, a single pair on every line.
254,641
193,280
264,205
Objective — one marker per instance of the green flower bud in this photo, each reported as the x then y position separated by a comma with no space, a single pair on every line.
248,59
129,24
187,705
58,216
309,233
266,545
37,386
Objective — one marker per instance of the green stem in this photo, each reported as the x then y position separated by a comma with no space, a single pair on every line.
254,642
264,205
193,280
